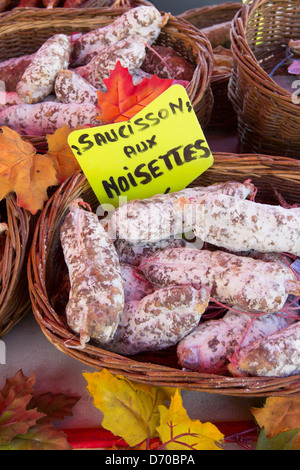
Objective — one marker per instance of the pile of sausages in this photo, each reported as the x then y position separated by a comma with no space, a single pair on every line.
144,280
58,83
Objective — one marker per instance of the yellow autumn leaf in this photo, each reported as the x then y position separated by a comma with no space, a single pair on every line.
279,414
178,432
130,410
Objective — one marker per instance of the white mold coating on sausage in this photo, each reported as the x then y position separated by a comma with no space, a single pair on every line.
37,81
159,320
208,348
247,225
251,284
130,52
44,118
278,355
96,299
166,215
145,21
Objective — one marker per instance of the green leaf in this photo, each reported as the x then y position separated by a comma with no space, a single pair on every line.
40,437
55,406
282,441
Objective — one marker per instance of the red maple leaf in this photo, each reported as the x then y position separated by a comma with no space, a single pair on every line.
123,99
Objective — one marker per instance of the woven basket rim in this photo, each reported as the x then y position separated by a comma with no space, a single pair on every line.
63,339
210,9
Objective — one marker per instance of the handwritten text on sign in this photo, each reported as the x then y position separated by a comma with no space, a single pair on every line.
161,149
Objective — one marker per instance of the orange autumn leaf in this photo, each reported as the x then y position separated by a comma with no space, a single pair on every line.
123,99
61,154
279,414
24,172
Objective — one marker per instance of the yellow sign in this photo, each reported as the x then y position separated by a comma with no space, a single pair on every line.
161,149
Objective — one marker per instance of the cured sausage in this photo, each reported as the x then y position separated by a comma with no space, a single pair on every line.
96,298
135,288
207,349
166,215
250,284
70,87
44,118
166,63
159,320
145,21
241,225
130,52
133,253
9,98
277,355
38,79
11,71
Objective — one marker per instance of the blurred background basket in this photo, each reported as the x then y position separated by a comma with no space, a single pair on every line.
215,22
23,31
14,295
268,120
210,15
46,269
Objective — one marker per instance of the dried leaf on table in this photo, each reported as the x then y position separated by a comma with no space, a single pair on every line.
279,414
123,99
43,437
61,154
25,418
55,406
24,172
130,410
15,419
178,432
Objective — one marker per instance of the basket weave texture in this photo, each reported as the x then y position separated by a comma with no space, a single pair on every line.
24,31
268,120
210,15
114,3
14,295
46,266
223,113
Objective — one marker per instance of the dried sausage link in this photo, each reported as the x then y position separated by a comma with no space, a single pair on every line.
96,299
207,349
145,21
38,79
44,118
277,355
241,225
159,320
250,284
166,215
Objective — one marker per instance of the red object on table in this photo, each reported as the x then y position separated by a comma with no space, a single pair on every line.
100,438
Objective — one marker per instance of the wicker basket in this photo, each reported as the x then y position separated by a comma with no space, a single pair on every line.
223,113
14,295
115,3
46,267
24,31
268,120
210,15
